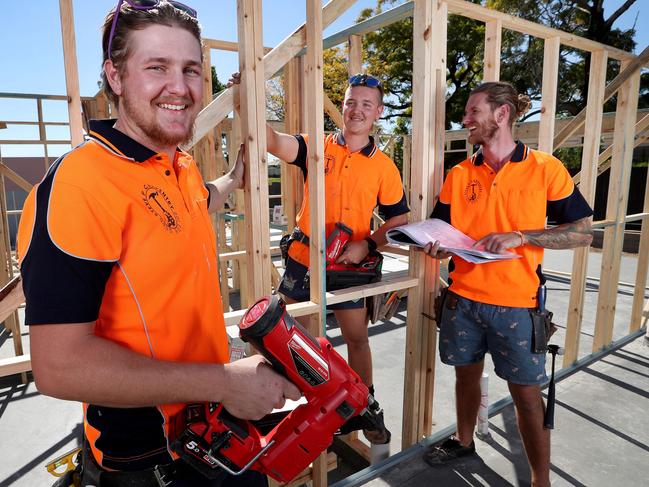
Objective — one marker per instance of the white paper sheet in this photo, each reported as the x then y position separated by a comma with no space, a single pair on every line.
450,239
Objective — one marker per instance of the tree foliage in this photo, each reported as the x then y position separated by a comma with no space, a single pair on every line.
217,86
388,54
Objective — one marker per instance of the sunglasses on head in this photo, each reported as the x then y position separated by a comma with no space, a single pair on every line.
364,80
144,5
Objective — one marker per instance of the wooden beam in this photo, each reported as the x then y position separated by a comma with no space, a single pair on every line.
511,22
551,49
372,24
492,43
641,135
431,281
592,133
225,45
313,85
386,285
333,112
218,109
15,365
15,177
206,149
11,297
355,55
642,268
423,82
253,124
71,71
626,71
627,102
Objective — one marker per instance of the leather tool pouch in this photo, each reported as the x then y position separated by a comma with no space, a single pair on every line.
284,244
444,298
542,330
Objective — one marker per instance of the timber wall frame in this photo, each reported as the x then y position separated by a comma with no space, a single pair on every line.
303,70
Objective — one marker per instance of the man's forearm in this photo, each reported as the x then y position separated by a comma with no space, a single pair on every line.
395,221
565,236
95,370
220,189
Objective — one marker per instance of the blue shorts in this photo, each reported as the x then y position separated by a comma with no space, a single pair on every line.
472,329
293,286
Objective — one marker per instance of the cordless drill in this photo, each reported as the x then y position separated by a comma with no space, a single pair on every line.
213,441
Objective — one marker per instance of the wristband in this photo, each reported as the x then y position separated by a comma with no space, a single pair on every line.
520,234
371,244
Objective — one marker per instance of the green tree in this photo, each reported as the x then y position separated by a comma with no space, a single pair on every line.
217,86
389,54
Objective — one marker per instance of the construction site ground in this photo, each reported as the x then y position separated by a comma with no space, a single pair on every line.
601,434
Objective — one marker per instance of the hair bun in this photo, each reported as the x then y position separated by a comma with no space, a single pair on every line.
523,105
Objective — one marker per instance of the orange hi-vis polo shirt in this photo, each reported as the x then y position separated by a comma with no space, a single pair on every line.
120,235
355,183
478,201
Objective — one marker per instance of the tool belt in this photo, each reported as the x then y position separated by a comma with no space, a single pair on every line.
542,329
95,475
288,239
337,277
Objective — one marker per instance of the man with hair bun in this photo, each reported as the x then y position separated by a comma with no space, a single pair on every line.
501,197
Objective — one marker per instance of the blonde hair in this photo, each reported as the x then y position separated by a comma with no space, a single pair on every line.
500,93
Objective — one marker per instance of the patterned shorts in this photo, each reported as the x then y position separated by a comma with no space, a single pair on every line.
471,329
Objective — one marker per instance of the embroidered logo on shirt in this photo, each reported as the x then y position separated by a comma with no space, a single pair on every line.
329,163
161,206
473,191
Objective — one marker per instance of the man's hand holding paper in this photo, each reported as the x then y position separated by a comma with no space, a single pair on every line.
440,240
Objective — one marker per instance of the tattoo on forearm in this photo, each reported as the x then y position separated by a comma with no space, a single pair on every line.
566,236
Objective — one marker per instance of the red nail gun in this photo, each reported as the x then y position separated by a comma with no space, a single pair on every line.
340,276
214,441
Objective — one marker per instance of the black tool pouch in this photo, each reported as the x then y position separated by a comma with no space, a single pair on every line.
368,271
284,244
439,304
542,330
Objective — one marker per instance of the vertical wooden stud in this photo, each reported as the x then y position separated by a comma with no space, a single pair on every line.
71,71
590,153
422,122
253,126
627,103
551,50
355,55
492,43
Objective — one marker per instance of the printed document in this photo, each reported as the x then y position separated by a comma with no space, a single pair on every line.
450,240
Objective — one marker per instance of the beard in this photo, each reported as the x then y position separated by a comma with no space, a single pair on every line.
152,128
484,132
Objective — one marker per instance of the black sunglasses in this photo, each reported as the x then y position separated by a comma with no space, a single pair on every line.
144,5
364,80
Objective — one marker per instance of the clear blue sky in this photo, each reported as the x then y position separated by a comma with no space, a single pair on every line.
31,53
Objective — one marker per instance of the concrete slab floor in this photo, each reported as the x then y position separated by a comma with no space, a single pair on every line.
601,436
35,429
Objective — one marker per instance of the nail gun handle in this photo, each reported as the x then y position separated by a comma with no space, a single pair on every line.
337,241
